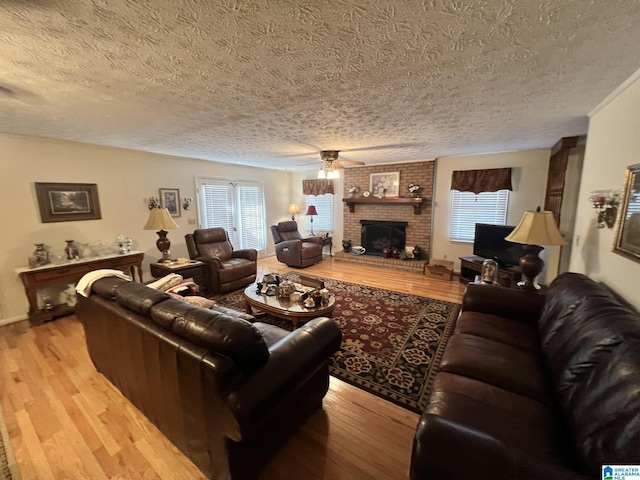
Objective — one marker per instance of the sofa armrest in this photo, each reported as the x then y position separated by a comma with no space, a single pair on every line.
248,253
439,442
289,246
506,302
213,262
292,361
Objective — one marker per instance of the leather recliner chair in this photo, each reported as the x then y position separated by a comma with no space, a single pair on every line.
292,249
227,269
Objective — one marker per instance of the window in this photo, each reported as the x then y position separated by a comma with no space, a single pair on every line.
467,209
324,205
238,207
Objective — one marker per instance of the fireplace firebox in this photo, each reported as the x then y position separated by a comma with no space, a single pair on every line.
376,235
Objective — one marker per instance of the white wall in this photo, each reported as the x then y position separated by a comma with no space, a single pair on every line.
613,144
529,179
124,179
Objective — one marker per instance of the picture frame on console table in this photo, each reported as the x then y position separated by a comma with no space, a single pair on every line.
384,184
627,234
68,202
170,199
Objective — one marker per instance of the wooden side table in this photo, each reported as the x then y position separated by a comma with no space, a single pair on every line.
328,241
194,269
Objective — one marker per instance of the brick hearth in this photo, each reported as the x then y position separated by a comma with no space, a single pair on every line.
414,266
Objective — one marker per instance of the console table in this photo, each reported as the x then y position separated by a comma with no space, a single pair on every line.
472,266
72,271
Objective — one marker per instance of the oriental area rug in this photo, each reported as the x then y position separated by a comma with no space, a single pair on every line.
392,342
8,465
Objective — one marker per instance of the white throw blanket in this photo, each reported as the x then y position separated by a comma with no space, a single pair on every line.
84,285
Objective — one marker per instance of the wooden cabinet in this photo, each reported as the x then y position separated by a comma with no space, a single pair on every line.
472,266
70,272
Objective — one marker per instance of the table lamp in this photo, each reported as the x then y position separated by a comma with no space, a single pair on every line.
535,229
311,211
294,209
160,219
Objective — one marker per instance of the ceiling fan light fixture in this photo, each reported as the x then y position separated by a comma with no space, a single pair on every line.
322,174
333,174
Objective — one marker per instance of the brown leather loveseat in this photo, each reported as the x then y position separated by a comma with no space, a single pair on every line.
535,386
225,391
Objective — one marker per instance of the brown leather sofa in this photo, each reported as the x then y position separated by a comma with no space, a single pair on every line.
227,269
225,391
292,249
534,386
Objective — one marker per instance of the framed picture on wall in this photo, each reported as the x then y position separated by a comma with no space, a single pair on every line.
67,202
627,235
384,184
170,199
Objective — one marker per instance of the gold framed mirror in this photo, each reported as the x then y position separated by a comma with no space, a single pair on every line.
627,234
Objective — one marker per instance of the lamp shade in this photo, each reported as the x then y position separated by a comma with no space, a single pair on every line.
294,209
311,210
159,219
537,228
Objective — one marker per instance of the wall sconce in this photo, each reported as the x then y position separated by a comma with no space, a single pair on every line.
186,202
605,203
153,203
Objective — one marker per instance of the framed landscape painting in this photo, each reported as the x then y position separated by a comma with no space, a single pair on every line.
67,202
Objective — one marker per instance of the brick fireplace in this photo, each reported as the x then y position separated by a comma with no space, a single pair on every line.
418,227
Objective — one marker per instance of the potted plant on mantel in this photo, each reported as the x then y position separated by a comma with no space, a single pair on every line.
414,190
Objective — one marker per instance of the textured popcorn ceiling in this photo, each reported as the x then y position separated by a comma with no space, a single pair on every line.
270,83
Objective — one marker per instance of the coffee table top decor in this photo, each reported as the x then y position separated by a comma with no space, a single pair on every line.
288,300
306,291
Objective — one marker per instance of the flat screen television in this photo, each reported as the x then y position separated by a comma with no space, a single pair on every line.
489,242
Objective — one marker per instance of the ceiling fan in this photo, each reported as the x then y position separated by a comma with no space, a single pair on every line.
331,164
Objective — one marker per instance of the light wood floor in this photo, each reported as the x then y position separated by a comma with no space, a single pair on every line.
67,422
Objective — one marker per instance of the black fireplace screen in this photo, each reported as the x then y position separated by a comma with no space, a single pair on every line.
377,235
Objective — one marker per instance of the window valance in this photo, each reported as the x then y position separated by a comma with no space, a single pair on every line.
478,181
318,186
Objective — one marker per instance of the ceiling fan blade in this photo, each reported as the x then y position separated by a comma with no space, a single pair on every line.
349,162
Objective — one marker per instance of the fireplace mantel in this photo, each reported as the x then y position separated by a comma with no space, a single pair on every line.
416,203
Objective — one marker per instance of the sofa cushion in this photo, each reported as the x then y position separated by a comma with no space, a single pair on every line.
235,268
215,330
475,430
139,297
592,345
516,421
106,287
510,332
498,364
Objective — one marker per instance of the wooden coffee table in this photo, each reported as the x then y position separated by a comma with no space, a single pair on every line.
284,308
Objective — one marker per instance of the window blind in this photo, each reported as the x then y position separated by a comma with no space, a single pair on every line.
252,230
324,205
238,207
467,209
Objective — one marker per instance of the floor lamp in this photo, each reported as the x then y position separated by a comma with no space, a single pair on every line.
311,211
535,229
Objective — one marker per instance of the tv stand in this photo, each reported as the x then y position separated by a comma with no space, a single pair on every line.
472,266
